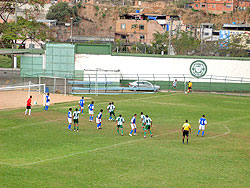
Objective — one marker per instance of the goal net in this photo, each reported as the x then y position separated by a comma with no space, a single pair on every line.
16,96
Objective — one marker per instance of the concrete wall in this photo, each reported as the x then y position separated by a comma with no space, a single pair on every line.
158,65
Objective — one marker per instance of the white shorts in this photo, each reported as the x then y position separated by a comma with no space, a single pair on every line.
47,104
133,126
98,120
91,112
202,127
70,120
82,107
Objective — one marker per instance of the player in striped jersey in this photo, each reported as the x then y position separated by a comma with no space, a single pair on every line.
47,102
119,121
91,111
76,119
81,104
142,120
203,124
133,125
148,125
70,118
99,119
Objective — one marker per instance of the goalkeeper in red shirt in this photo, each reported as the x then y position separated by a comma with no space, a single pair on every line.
28,107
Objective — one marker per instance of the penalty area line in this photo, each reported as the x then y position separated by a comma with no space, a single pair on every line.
78,153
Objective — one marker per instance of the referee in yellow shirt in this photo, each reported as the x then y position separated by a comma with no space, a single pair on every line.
190,84
185,130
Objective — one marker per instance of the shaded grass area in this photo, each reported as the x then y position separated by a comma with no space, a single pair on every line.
49,155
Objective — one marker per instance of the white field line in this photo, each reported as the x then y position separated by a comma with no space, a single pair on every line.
83,152
26,125
204,106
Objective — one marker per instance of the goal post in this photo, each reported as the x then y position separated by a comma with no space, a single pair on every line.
102,78
27,89
54,83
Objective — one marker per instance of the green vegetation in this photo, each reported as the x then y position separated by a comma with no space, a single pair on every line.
5,62
39,151
60,12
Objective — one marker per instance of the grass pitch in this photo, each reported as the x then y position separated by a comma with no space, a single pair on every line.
39,151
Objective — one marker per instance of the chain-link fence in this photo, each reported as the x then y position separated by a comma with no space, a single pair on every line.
115,83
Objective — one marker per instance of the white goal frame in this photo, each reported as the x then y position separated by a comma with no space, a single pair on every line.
29,86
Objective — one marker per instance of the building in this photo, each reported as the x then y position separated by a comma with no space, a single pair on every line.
241,32
138,27
220,6
215,6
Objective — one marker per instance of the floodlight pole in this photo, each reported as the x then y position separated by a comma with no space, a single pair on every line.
170,36
71,29
16,11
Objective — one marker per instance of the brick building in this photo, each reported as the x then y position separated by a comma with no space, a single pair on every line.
220,6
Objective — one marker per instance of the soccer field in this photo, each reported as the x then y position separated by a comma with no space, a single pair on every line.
39,151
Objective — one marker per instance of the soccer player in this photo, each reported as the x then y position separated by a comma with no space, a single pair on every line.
28,107
174,84
133,125
70,118
148,125
81,104
47,102
185,130
112,110
119,121
190,84
203,124
108,109
76,119
99,119
142,120
91,111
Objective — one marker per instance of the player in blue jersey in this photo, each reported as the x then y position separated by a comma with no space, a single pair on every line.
203,124
70,118
99,119
91,111
133,125
47,102
81,104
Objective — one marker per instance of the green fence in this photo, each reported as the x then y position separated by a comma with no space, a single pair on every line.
97,49
60,60
31,65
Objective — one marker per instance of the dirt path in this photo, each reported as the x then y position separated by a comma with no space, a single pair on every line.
17,99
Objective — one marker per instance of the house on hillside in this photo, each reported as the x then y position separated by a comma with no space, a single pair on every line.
220,6
139,27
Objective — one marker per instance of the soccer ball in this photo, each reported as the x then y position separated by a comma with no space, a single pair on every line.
35,102
185,92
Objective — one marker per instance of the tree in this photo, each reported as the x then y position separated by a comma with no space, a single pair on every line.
184,44
7,7
60,12
24,30
160,42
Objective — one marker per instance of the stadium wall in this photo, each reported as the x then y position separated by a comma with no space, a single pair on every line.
159,65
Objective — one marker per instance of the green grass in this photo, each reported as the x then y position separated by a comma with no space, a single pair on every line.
38,151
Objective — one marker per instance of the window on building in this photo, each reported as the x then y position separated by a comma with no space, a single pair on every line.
203,6
228,6
142,37
196,5
206,34
123,26
141,27
213,6
123,36
31,46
